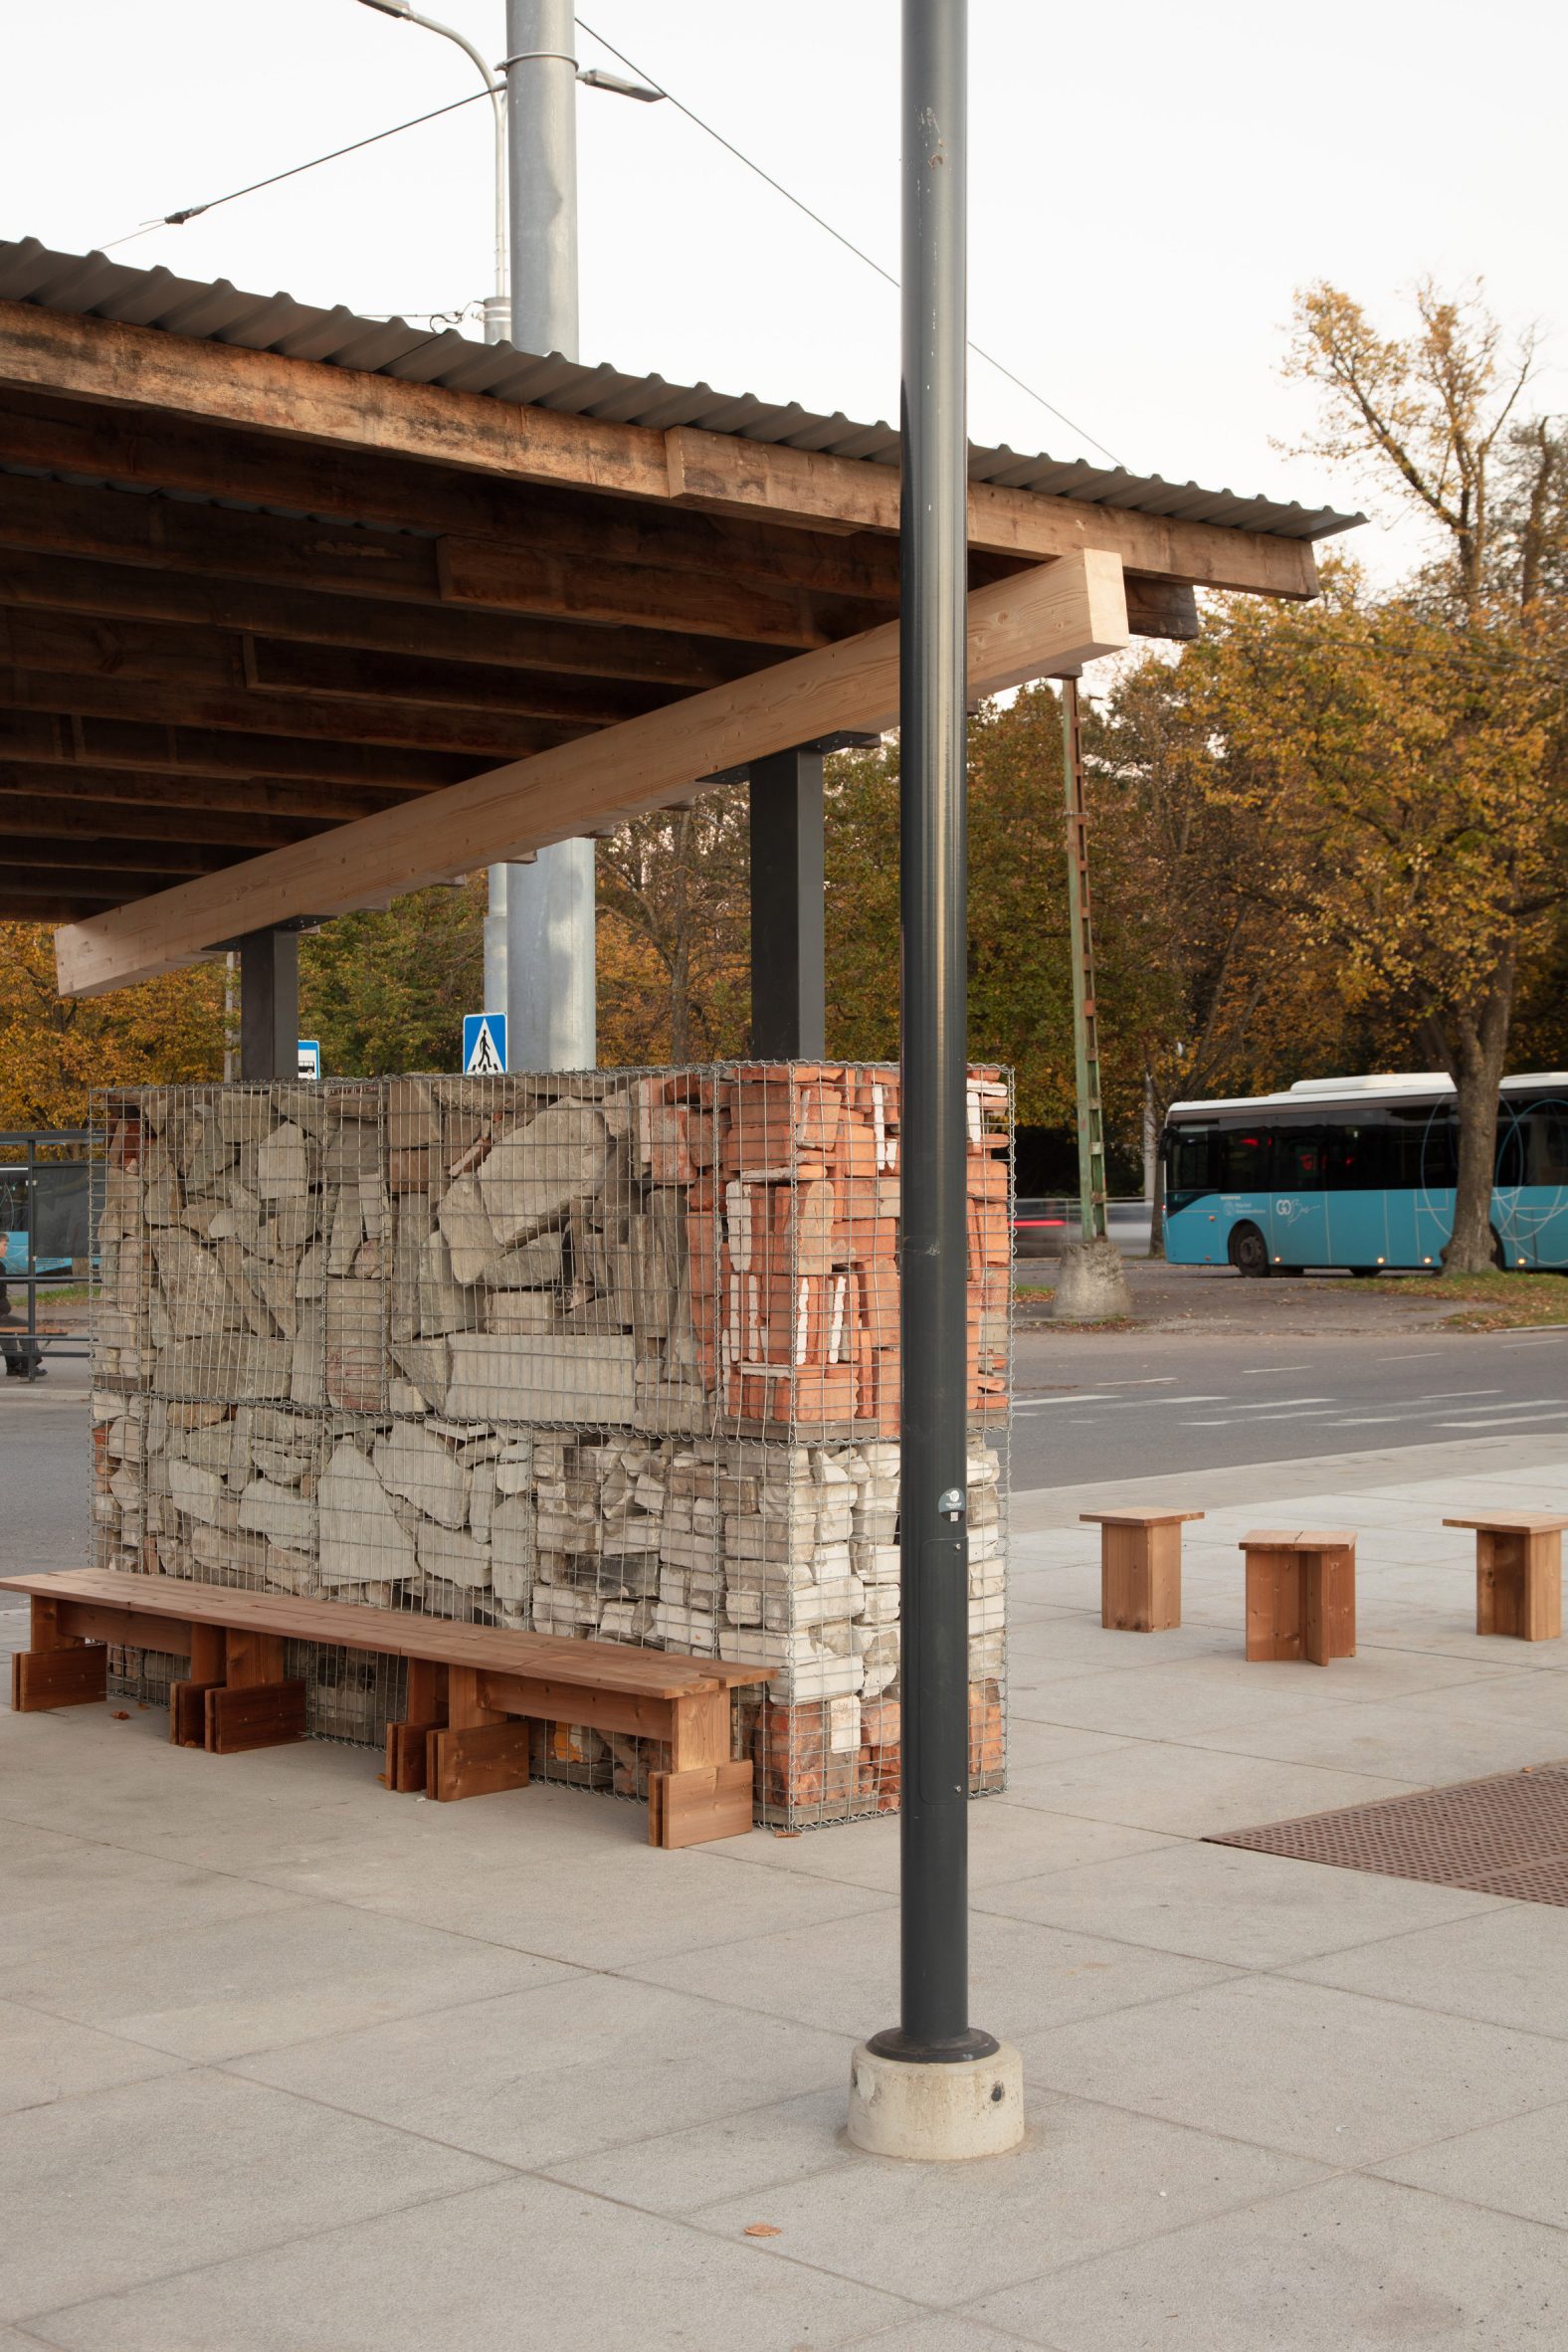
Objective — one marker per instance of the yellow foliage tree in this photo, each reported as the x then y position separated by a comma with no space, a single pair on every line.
53,1053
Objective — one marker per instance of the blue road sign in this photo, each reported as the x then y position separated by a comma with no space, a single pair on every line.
483,1044
310,1057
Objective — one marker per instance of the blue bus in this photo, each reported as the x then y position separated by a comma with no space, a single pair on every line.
1358,1173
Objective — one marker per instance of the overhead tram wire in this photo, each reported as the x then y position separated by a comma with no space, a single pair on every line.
191,212
837,235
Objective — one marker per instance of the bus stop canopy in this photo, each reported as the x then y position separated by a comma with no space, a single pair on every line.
300,609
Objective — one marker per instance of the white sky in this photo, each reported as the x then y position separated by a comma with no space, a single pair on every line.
1148,185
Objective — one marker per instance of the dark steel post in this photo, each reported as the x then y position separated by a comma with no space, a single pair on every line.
788,987
934,2022
269,1005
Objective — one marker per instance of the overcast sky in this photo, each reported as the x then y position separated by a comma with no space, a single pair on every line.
1148,185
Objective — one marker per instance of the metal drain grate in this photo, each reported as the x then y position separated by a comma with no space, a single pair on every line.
1503,1836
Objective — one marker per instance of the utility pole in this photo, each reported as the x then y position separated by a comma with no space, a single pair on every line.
545,909
1091,1287
935,2086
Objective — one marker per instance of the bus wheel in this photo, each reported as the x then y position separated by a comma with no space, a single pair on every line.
1249,1253
1366,1273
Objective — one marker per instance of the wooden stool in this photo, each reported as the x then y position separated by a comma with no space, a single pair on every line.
1519,1573
1140,1568
1301,1593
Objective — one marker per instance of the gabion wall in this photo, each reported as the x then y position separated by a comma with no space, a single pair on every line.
610,1355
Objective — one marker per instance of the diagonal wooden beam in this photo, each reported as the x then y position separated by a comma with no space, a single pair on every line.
1039,622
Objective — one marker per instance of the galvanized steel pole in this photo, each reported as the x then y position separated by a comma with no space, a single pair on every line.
934,2022
546,909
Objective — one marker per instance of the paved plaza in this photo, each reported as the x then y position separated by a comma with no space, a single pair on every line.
291,2066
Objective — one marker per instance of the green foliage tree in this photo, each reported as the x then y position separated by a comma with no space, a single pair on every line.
386,991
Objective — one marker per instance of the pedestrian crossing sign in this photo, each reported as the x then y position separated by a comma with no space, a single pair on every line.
483,1044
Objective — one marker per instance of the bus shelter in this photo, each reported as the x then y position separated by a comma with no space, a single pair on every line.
302,610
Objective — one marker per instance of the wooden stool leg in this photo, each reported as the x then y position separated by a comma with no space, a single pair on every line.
1125,1580
1273,1604
1543,1586
1500,1576
1165,1577
1329,1601
705,1795
59,1670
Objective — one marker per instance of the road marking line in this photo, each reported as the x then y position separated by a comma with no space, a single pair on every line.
1532,1420
1274,1367
1448,1396
1428,1356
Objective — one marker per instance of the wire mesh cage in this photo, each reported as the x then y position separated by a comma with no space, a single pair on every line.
612,1356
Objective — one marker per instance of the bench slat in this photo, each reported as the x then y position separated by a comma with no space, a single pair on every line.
394,1633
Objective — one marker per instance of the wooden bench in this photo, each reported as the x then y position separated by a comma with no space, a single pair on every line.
1519,1573
471,1690
1140,1568
1301,1593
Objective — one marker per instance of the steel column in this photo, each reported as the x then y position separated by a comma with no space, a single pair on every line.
934,2022
1086,1028
788,983
269,1005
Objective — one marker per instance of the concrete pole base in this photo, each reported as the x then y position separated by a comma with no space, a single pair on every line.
1091,1287
935,2113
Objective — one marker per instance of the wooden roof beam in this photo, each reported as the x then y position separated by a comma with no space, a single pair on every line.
130,855
250,801
477,734
97,821
1044,621
50,735
42,582
85,358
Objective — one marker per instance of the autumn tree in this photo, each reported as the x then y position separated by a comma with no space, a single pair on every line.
674,933
54,1051
386,990
1435,728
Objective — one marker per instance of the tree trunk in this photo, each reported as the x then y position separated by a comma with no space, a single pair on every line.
1476,1051
1156,1191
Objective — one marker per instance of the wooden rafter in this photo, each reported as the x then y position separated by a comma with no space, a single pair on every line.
1052,619
94,359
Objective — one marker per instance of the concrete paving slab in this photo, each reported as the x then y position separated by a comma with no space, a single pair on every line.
843,1976
1006,1843
584,2063
751,2153
946,2332
1422,1741
101,2193
525,2262
86,1894
44,2058
1508,1966
1328,2075
1189,1792
596,1894
1087,2178
1520,2166
1350,2265
1214,1903
291,1973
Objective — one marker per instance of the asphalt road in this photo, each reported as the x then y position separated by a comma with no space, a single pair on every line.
1130,1406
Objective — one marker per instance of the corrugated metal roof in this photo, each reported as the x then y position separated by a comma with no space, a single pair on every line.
92,286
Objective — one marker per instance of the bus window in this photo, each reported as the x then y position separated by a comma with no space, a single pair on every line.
1245,1156
1355,1159
1548,1145
1421,1147
1189,1169
1298,1159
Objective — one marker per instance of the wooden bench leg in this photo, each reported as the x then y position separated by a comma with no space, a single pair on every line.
188,1700
59,1670
705,1795
408,1741
479,1751
254,1706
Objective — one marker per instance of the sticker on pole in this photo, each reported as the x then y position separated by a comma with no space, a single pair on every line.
483,1044
310,1057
